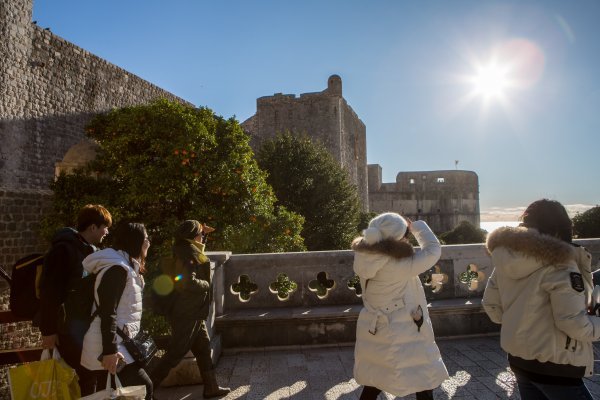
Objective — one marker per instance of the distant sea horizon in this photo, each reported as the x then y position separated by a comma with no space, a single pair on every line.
491,225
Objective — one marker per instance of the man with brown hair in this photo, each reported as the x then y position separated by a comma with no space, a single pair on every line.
61,273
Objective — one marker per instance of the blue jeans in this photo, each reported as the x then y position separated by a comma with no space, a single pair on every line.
530,390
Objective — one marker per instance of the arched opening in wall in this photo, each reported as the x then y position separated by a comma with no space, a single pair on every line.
78,156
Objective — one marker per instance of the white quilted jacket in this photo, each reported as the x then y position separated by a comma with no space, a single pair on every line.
129,309
398,358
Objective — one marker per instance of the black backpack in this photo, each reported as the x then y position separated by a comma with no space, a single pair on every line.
25,286
78,307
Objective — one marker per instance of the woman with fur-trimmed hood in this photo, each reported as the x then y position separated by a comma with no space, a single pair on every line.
395,347
540,292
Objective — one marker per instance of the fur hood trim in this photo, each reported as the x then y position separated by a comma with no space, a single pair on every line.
389,247
544,248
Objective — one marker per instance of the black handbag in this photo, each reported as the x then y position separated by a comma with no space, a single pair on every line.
141,347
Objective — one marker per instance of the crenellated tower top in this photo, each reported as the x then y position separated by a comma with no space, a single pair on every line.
334,85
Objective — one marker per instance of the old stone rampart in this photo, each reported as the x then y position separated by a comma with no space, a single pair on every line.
20,216
50,90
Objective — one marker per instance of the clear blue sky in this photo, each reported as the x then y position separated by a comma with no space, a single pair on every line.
408,70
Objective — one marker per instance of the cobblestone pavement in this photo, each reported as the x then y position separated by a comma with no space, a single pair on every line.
478,370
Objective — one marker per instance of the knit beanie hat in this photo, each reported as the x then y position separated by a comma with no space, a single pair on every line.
385,226
188,229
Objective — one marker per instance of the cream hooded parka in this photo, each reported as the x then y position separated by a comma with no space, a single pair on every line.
539,291
392,353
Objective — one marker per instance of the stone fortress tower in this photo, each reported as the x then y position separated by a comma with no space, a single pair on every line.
325,116
442,198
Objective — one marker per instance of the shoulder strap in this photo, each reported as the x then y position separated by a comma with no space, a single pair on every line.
26,263
5,276
122,334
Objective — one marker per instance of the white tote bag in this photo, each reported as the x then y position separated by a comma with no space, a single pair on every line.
120,393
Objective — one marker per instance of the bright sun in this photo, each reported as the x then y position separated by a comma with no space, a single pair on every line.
491,81
510,68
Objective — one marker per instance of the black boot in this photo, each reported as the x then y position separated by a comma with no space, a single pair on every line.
369,393
211,387
425,395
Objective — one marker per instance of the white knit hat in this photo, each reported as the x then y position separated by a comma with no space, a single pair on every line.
385,226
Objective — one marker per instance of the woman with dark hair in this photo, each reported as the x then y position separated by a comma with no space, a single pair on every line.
192,302
540,292
118,297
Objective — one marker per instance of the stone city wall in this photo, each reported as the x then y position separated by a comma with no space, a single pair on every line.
20,215
50,90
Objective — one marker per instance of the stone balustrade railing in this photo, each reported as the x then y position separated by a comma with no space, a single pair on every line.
315,291
309,279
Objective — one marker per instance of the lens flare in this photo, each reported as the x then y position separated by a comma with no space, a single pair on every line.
163,285
524,59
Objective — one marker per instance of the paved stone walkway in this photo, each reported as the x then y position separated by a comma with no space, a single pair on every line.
478,370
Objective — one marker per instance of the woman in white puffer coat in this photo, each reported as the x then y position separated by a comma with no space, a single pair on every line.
118,294
540,291
395,347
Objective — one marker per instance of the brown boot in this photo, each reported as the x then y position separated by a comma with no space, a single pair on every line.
211,387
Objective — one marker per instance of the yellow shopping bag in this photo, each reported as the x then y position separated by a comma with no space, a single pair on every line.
49,378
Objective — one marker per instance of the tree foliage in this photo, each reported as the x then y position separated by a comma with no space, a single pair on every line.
165,162
587,224
309,181
464,233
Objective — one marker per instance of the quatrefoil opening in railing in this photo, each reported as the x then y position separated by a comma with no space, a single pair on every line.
244,288
354,284
283,287
471,277
435,279
321,286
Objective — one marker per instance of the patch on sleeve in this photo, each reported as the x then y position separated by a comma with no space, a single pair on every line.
577,281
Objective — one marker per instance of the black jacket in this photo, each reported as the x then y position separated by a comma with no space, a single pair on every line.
194,288
61,272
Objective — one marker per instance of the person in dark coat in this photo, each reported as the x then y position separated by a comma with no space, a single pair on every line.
61,273
190,309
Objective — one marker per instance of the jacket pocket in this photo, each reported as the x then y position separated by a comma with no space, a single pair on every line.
570,344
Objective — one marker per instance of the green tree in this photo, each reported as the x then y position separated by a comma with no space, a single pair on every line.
309,181
587,224
363,220
165,162
464,233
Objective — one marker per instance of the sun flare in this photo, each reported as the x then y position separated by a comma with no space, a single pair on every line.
491,81
512,67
